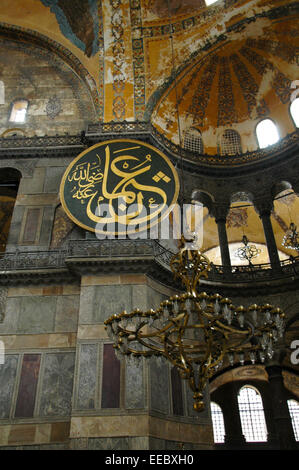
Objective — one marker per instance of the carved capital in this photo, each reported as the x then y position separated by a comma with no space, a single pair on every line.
263,207
220,212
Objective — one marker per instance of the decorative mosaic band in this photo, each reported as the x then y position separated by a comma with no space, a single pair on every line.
138,59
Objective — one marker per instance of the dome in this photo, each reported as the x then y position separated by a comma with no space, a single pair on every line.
224,90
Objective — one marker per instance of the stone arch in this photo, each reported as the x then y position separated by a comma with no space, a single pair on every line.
23,35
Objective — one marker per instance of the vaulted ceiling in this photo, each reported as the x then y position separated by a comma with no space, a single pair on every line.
221,66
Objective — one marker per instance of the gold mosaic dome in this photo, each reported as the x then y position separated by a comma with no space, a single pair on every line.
227,87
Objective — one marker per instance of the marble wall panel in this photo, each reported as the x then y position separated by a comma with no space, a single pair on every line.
30,232
53,179
10,322
99,302
57,384
37,314
177,393
134,387
159,387
88,372
8,373
28,386
67,310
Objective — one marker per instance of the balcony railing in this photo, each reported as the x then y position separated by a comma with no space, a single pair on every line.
77,251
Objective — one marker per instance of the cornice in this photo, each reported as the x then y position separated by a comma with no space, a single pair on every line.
91,257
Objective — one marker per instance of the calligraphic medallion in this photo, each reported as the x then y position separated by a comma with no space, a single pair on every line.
119,187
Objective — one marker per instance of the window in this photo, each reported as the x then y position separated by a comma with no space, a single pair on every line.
2,93
252,415
193,140
294,110
230,143
218,423
210,2
18,111
267,133
294,413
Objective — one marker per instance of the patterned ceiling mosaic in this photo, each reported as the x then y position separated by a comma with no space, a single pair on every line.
238,81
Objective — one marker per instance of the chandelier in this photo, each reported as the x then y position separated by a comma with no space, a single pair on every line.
196,331
290,240
247,251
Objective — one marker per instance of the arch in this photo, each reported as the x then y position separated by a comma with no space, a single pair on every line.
230,143
203,197
14,132
294,112
266,133
218,423
193,140
23,35
293,406
252,414
242,196
280,187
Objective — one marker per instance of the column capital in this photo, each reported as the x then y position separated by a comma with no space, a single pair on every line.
220,212
263,207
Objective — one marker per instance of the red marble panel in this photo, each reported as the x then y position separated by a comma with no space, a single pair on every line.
111,378
31,226
28,386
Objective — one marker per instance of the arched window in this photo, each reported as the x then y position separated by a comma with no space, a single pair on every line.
18,111
2,93
230,143
294,110
218,423
294,413
193,140
252,415
267,133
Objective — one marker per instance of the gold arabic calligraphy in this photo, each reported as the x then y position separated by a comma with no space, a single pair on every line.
91,186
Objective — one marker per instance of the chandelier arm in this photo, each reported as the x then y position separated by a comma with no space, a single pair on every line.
230,329
145,353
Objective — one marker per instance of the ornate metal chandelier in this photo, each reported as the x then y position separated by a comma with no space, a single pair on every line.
247,251
290,240
196,331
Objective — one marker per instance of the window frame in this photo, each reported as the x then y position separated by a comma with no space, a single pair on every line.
199,138
295,423
216,430
256,134
250,411
291,115
13,103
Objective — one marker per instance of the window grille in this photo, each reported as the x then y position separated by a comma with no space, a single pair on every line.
230,143
193,140
294,413
218,423
252,415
